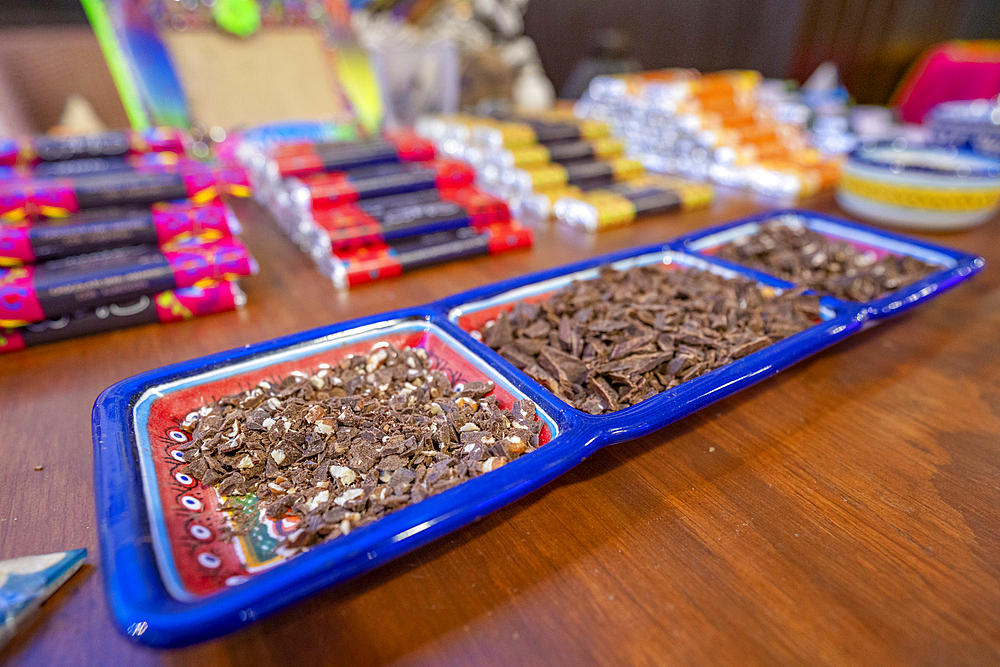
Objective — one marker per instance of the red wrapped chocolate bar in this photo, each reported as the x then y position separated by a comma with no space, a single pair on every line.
388,219
325,191
386,260
305,159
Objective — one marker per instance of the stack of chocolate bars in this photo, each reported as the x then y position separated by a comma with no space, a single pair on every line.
555,163
374,209
719,126
107,231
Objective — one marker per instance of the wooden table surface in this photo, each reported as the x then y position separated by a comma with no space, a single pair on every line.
844,512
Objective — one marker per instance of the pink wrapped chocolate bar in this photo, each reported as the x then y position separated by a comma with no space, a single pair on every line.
58,197
30,242
147,162
169,306
56,148
64,286
8,152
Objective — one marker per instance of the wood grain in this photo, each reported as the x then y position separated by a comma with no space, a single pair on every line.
844,512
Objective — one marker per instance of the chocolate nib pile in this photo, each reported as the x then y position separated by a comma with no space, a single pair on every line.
343,446
795,253
609,343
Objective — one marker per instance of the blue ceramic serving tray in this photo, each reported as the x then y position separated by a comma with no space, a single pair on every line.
172,581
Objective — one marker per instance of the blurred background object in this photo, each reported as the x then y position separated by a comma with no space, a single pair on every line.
417,68
953,71
453,54
973,125
872,42
41,66
206,63
610,53
79,117
509,51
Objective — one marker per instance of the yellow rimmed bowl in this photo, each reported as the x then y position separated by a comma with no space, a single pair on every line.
918,186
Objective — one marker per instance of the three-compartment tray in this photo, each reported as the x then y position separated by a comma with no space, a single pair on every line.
171,578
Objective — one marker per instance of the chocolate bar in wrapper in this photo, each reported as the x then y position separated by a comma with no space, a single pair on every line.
29,242
388,219
303,198
525,132
581,174
622,203
387,260
45,291
147,162
305,159
564,153
205,298
59,197
55,148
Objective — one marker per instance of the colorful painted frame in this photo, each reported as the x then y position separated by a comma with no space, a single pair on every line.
150,86
150,547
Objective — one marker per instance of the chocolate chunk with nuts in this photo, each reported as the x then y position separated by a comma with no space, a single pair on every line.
352,442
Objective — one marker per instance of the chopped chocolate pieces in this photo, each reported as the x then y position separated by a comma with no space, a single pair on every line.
793,252
629,335
562,365
341,447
